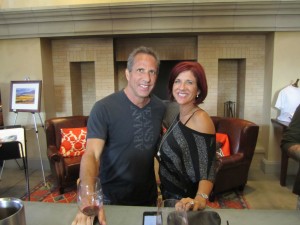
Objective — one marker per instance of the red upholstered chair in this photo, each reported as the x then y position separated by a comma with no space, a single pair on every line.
232,171
65,169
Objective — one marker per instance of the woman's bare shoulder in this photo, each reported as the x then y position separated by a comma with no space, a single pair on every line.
203,123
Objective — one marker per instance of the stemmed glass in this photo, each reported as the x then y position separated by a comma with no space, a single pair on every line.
171,211
89,196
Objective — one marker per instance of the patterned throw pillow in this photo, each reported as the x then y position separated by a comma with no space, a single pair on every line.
223,147
73,141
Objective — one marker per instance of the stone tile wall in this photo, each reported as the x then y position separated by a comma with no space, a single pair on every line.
99,51
212,51
212,48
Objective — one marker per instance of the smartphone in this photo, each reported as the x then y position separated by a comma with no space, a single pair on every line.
149,218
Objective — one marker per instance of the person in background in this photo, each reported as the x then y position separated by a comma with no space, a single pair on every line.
122,135
291,144
188,147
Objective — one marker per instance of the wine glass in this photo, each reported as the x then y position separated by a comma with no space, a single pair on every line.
171,211
89,196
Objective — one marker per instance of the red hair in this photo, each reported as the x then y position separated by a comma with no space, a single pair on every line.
199,75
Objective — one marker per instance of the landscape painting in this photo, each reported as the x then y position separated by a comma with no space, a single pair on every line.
25,96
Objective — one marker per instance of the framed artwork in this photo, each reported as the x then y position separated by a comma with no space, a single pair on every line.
13,133
25,96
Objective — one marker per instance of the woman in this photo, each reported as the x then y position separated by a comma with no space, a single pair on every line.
187,149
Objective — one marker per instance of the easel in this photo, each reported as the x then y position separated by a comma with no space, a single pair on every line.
37,138
16,107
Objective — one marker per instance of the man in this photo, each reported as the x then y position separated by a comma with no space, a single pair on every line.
291,144
123,131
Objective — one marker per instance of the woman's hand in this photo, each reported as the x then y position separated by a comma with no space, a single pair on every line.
193,204
101,216
82,219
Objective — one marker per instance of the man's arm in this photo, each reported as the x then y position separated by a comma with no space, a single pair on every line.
294,151
90,161
292,134
89,167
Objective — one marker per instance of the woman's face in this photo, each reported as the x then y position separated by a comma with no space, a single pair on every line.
185,88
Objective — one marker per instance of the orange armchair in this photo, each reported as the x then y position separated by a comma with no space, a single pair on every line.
65,169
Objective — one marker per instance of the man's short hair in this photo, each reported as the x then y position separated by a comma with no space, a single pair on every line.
145,50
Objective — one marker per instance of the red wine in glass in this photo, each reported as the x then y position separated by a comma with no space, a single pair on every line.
89,196
91,210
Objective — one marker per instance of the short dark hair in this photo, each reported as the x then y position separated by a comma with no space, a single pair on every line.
199,74
145,50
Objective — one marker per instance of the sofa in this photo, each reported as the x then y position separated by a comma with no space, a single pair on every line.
65,169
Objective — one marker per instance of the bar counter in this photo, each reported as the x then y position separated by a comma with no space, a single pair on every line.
60,213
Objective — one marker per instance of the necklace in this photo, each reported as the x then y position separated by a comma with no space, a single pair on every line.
190,112
171,128
173,125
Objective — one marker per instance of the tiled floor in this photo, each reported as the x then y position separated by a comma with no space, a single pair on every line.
13,182
262,191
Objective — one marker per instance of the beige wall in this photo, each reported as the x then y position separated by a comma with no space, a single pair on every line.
69,51
250,48
32,57
227,83
285,70
20,59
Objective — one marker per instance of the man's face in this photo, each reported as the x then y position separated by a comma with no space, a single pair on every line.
142,78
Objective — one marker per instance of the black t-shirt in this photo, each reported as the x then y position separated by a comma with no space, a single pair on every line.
131,134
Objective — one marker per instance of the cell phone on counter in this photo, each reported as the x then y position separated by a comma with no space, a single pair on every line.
150,218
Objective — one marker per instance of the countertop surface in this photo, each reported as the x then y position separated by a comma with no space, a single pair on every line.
60,213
